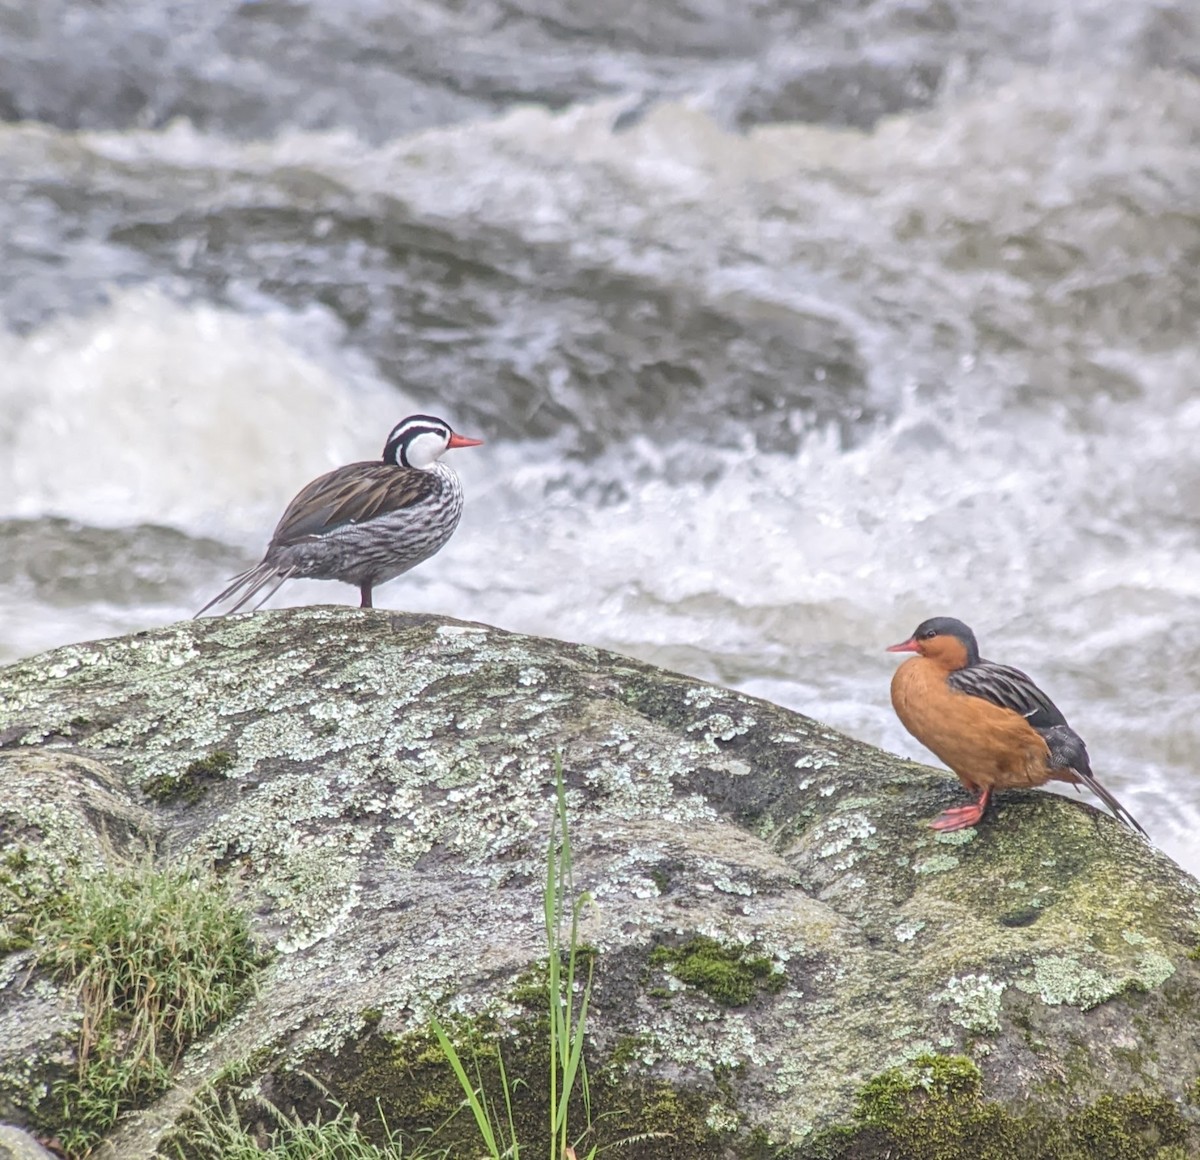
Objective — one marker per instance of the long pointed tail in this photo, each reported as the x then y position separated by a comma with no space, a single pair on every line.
253,581
1069,760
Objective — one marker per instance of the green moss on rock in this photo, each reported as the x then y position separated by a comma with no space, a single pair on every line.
193,783
934,1109
728,974
407,1082
930,1108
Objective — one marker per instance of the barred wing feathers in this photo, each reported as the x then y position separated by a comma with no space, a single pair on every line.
352,495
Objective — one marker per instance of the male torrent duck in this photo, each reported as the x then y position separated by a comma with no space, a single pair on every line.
989,723
365,523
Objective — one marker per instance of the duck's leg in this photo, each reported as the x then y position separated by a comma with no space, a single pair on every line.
365,590
963,816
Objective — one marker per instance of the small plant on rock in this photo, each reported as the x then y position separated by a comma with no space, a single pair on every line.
158,958
567,1021
217,1133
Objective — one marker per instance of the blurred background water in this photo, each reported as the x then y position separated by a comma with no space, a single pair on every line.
786,324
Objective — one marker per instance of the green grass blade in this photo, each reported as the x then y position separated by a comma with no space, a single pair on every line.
550,907
514,1149
477,1109
575,1053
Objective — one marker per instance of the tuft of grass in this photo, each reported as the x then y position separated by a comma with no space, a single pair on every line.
158,958
216,1133
567,1023
105,1086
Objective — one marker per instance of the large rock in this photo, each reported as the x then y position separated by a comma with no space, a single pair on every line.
787,961
16,1145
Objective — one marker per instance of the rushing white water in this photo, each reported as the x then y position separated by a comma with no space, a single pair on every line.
1001,294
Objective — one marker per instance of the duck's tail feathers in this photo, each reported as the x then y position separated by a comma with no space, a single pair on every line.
1118,811
249,584
1069,755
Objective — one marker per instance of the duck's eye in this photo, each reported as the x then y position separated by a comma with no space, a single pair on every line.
929,634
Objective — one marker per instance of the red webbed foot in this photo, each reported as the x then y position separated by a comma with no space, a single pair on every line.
963,816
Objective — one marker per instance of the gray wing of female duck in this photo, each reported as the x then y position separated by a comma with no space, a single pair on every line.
364,523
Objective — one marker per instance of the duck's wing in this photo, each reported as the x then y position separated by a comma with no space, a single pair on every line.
1010,689
352,495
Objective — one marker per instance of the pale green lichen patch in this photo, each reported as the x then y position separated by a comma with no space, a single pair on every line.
1151,971
955,837
722,1119
844,837
721,727
1064,979
938,864
974,1002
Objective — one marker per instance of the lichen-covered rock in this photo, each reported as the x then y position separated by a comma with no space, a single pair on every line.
785,957
16,1145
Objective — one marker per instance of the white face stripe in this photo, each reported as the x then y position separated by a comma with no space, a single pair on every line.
423,446
412,440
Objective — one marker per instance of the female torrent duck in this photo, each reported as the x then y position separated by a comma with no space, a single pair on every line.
989,723
365,523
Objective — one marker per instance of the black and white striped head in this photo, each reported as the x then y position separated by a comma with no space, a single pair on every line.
419,440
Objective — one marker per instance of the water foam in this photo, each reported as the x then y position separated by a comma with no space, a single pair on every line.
153,411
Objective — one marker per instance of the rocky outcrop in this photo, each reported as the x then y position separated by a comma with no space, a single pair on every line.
17,1145
786,960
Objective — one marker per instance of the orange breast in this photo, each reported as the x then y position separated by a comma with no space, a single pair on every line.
983,743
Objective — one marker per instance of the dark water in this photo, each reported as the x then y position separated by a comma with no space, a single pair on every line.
787,325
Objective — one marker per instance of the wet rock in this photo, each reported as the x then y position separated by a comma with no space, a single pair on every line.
784,955
17,1145
64,563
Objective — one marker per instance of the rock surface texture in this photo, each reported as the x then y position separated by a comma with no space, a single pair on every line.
787,961
16,1145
